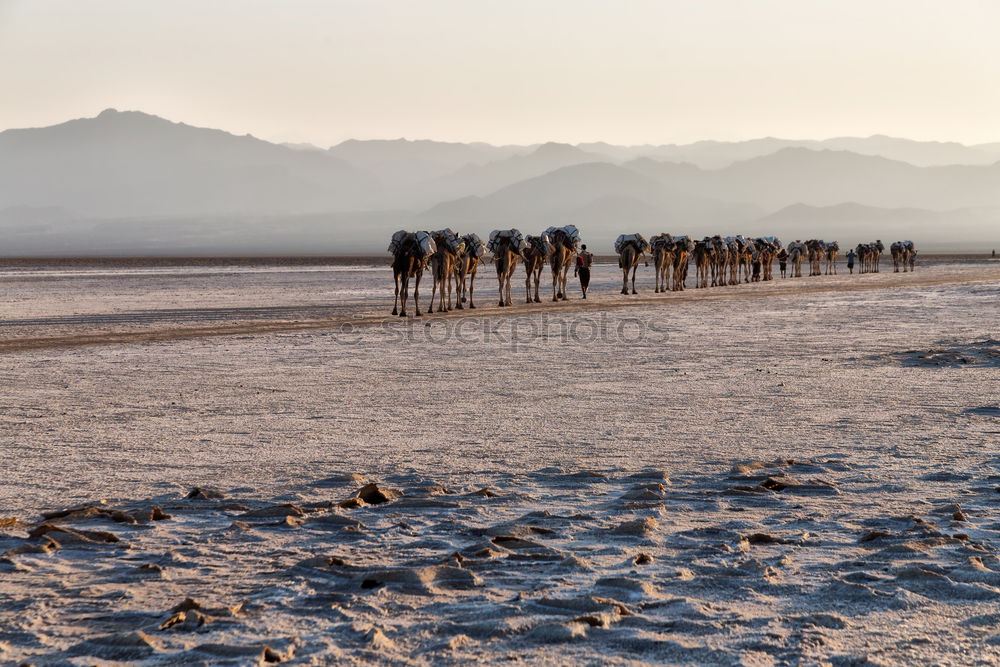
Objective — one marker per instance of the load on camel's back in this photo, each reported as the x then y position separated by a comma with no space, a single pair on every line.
511,237
630,249
410,254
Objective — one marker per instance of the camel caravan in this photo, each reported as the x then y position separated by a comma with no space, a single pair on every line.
869,256
731,260
453,261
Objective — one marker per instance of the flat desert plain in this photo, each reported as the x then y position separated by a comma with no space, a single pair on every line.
211,464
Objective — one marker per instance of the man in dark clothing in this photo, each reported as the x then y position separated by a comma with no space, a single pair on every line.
783,261
850,260
582,268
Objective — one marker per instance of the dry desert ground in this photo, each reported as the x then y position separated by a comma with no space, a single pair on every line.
240,464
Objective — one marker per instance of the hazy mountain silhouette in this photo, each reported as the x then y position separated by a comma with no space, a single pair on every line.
486,178
720,154
825,177
131,163
133,182
408,171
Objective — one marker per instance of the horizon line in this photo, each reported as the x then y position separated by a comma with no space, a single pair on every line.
650,144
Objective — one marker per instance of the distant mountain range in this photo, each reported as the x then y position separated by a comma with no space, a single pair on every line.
130,182
134,164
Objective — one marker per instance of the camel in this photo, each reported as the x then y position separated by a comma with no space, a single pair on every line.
564,240
703,261
506,247
735,249
409,259
796,253
535,255
443,261
745,255
630,249
816,250
663,260
896,251
832,248
902,255
683,246
465,268
720,261
863,252
766,249
877,250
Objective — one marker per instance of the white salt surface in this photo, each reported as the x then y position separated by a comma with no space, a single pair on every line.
793,472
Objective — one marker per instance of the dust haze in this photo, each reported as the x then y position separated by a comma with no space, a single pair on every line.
129,182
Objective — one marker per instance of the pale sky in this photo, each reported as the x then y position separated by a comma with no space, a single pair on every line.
512,71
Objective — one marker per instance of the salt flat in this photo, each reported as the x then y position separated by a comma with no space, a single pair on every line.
800,471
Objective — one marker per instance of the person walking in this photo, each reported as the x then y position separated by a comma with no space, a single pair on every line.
850,260
582,268
783,261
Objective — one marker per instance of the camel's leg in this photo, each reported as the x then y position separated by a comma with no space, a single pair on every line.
434,284
454,280
416,294
404,287
446,291
624,276
395,300
538,281
472,288
634,269
448,280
